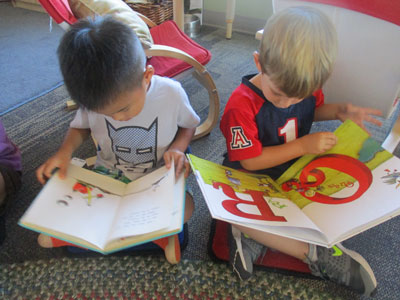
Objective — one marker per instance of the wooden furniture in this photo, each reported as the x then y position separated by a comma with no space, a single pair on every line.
230,16
28,4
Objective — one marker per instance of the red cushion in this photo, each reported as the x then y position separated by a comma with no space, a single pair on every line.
388,10
59,10
169,34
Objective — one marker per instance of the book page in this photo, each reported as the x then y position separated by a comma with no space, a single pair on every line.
380,202
176,224
73,208
252,207
348,189
146,182
247,198
334,170
150,209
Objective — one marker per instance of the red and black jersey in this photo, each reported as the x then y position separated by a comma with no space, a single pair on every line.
250,122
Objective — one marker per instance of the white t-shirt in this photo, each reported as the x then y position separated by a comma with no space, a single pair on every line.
137,146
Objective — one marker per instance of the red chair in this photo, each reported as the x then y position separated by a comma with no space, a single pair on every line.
172,53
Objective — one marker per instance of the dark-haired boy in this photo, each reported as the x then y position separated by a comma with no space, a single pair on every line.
139,120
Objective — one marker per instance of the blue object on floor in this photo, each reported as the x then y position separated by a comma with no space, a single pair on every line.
32,47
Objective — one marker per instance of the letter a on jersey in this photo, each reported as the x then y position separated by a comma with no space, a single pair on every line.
239,140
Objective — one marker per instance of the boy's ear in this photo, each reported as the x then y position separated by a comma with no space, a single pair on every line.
256,57
148,73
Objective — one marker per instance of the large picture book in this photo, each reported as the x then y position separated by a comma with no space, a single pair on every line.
104,214
321,199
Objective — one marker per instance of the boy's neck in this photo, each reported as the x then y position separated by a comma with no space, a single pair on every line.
256,80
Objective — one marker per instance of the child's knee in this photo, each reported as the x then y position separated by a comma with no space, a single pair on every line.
45,241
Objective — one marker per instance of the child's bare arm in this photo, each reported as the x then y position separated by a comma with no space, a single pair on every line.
344,111
176,151
72,141
271,156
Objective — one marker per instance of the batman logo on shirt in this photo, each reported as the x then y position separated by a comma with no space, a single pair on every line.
134,146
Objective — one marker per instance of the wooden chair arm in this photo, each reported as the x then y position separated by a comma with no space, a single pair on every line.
148,22
168,51
202,76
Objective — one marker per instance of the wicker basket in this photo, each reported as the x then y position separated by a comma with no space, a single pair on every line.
157,11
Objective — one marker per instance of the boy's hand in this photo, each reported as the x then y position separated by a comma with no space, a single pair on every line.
359,114
318,142
181,162
58,160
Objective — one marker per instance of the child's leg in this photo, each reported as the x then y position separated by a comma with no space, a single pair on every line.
46,241
170,245
243,252
189,207
246,245
338,264
288,246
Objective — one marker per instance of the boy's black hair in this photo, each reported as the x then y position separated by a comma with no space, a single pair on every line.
99,59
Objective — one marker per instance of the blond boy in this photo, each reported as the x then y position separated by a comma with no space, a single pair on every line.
267,122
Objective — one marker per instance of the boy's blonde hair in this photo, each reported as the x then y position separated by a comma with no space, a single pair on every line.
298,49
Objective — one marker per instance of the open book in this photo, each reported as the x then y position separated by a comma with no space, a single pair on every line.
320,199
106,215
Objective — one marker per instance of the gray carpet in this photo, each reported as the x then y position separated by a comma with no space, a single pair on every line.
38,128
28,61
147,278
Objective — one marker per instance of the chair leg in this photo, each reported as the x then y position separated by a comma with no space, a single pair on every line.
71,105
205,79
230,15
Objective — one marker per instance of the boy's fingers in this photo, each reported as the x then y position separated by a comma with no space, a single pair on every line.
373,121
43,175
178,167
373,111
47,171
328,136
39,174
167,160
62,172
332,137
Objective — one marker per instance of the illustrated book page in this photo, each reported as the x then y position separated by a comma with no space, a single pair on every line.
251,200
350,188
92,210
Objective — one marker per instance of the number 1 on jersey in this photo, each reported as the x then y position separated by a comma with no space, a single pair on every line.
289,130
